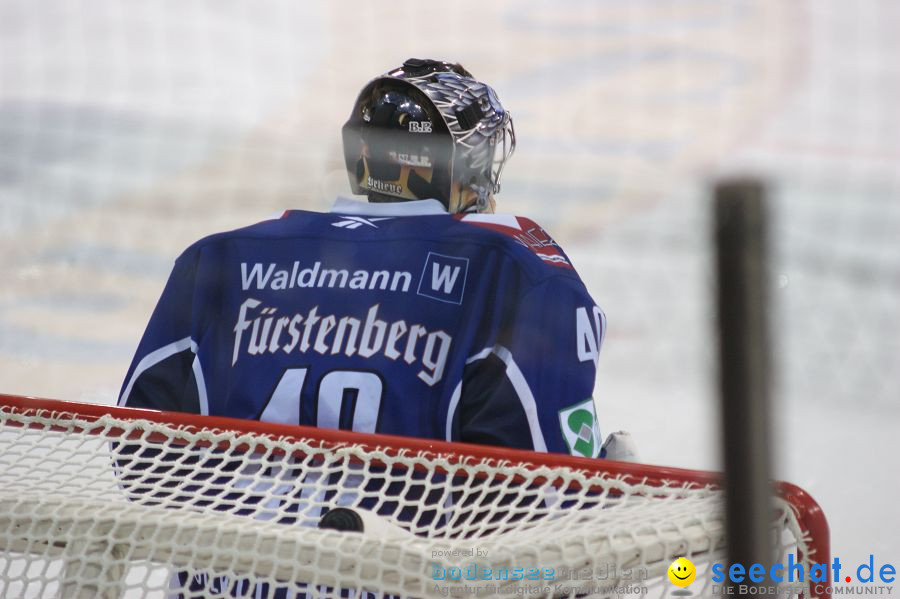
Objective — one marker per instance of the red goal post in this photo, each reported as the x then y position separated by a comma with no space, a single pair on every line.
107,501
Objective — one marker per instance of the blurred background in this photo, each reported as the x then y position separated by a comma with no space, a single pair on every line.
130,129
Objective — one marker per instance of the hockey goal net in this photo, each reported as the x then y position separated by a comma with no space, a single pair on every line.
112,502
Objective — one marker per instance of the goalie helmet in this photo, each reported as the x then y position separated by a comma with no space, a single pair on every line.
428,129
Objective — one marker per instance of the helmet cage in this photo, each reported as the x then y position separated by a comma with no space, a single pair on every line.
481,128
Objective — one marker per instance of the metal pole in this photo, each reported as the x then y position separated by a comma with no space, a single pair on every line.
740,235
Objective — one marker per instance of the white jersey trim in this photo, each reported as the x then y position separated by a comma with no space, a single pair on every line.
344,205
602,329
201,382
523,391
507,220
167,351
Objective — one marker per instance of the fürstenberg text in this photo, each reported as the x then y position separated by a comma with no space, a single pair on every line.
330,334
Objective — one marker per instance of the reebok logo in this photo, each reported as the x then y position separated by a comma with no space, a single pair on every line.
355,222
444,278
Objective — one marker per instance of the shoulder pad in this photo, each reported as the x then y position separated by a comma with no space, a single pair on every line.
523,231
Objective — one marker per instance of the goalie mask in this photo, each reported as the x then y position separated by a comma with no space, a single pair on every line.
428,129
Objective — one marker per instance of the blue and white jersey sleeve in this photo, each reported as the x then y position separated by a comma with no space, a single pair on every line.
533,388
165,373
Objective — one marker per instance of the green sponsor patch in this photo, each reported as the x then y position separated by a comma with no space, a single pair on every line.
580,429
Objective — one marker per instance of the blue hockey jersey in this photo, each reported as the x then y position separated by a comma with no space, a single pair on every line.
389,318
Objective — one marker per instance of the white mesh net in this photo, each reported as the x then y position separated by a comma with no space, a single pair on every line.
109,506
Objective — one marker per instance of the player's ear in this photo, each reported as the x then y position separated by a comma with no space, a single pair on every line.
456,198
491,204
462,199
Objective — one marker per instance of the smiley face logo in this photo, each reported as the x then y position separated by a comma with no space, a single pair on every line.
682,572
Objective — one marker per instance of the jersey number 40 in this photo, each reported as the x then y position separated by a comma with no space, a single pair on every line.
346,399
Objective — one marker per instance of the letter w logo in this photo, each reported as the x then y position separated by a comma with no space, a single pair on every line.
444,278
